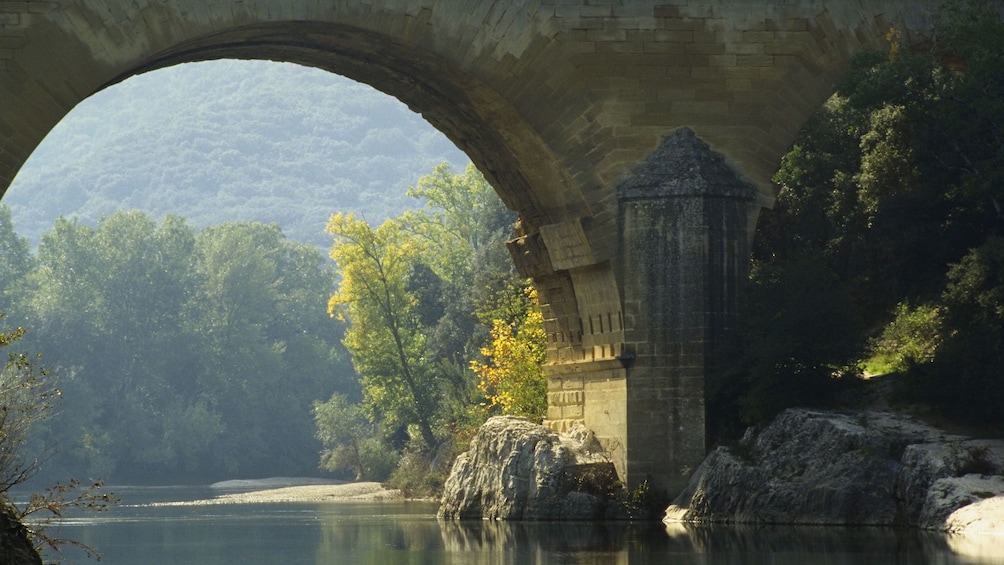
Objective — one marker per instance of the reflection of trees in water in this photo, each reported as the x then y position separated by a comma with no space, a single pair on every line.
828,545
505,543
540,542
380,537
417,539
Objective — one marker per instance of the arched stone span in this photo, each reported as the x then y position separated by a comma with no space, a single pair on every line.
636,139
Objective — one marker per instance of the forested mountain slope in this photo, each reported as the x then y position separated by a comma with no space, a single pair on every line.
231,140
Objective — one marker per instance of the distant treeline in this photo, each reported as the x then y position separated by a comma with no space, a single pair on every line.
183,356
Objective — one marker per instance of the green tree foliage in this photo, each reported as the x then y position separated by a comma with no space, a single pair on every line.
897,177
410,290
188,355
384,335
963,378
461,215
16,260
911,338
350,441
461,231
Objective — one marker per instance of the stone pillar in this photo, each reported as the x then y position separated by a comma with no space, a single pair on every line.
683,254
631,326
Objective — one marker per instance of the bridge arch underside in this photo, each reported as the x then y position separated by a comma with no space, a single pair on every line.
636,141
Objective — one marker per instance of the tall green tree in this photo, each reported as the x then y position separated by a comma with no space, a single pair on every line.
461,229
460,216
384,335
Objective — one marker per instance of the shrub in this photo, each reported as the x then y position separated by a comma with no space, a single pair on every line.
911,338
964,378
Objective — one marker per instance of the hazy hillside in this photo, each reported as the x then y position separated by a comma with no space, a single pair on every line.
230,140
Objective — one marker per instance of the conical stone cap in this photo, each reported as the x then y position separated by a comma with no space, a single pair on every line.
684,165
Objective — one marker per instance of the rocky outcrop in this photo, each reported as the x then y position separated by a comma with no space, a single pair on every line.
518,470
860,468
15,547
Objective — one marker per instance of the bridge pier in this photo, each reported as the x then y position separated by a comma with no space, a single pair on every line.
686,221
631,337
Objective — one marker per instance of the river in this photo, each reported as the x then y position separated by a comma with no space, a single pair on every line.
389,533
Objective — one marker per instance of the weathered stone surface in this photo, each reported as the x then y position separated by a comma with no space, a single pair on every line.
518,470
684,165
15,547
863,468
971,503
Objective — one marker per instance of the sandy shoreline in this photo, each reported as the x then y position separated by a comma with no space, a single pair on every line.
349,492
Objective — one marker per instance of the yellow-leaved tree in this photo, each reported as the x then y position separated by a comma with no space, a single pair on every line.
384,335
512,376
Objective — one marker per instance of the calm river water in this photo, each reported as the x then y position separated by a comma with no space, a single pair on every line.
377,533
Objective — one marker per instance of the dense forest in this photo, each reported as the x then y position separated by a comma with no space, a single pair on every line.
885,251
181,356
230,140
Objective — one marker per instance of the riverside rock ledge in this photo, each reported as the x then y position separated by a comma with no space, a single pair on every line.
850,468
518,470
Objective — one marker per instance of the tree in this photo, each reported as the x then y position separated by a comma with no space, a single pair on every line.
384,336
350,441
203,354
265,347
962,377
461,215
899,174
26,400
409,291
512,377
341,428
461,228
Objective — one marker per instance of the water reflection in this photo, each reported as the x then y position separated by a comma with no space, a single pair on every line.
979,548
393,533
504,543
482,542
829,545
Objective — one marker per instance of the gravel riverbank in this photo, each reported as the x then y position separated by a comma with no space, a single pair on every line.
348,492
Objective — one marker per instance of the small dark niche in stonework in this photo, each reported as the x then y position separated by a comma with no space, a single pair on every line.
684,165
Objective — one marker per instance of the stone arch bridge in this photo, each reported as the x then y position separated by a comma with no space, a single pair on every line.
636,139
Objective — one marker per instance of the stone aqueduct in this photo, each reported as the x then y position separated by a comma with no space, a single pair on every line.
636,139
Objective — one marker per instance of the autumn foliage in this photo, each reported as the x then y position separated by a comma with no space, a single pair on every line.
512,376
